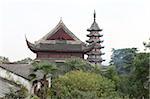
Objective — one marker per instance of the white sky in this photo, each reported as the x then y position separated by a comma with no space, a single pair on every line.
125,23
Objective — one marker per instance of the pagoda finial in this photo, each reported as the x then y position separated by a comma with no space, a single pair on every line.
94,15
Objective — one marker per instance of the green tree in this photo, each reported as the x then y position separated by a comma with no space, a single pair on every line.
122,58
136,85
111,73
78,64
140,75
83,85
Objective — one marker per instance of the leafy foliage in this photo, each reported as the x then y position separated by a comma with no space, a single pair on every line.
136,84
112,74
25,61
4,59
83,85
140,76
78,64
44,66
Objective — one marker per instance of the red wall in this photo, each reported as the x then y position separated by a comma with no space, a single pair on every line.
58,55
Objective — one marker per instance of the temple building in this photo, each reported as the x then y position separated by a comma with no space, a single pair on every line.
94,56
61,44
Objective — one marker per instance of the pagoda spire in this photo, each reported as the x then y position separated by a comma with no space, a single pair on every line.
94,15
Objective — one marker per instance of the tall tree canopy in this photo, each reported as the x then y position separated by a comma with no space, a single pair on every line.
121,58
140,76
136,84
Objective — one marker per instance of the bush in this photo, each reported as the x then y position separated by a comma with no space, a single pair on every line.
83,85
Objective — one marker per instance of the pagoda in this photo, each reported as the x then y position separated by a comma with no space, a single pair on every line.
94,56
58,45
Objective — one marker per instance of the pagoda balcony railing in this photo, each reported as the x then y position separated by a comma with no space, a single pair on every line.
95,53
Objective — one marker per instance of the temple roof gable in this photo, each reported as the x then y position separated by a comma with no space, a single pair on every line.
60,32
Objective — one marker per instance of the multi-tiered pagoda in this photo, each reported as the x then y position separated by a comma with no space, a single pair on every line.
94,56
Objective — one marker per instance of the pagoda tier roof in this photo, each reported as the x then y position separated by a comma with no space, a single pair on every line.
59,47
94,35
94,27
91,41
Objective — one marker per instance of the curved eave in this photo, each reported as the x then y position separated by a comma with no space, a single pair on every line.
31,46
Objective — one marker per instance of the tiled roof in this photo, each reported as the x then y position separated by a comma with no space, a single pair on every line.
59,26
46,44
58,47
22,70
94,27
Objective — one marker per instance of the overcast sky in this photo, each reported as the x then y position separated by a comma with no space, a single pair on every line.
125,23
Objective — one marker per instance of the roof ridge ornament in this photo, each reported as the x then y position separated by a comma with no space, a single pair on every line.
60,20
